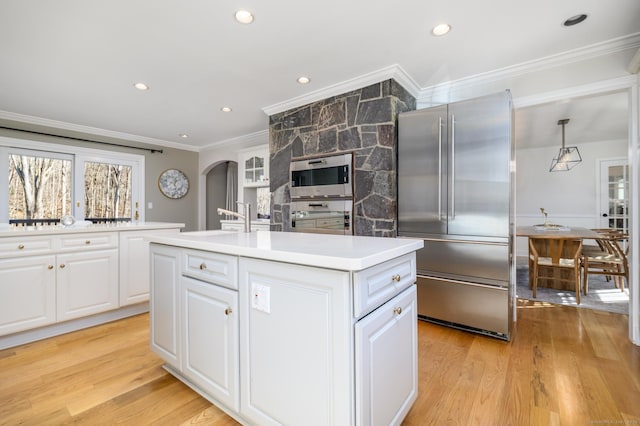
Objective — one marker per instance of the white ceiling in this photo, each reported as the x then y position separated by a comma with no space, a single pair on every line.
75,61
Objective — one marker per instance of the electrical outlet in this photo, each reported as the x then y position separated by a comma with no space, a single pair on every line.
261,298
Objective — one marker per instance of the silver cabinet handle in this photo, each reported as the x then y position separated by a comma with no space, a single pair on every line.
87,242
396,278
439,168
50,267
21,247
228,311
62,265
203,266
397,310
453,167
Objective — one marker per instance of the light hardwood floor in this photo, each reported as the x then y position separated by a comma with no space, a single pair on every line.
565,366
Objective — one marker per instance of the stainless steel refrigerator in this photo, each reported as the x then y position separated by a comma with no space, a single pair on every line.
456,191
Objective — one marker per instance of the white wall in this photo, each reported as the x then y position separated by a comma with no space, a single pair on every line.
570,198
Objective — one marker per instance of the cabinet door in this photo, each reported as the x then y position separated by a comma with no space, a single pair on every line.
297,352
387,361
164,303
134,265
210,340
27,293
87,283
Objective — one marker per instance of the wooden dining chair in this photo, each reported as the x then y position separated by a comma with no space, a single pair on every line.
610,261
556,259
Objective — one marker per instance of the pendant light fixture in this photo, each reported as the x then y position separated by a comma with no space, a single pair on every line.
568,157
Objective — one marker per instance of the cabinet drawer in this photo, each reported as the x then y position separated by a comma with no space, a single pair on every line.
215,268
21,246
374,286
92,241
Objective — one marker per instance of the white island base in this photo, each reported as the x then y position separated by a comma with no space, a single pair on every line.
289,328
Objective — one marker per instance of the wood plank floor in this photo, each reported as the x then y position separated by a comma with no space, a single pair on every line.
565,366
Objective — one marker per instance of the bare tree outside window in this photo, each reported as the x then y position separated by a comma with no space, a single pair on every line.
39,187
107,191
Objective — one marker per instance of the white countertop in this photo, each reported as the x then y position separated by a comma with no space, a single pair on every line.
19,231
340,252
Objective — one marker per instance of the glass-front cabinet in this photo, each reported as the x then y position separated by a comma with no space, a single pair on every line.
255,166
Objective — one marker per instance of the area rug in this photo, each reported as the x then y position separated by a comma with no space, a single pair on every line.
603,295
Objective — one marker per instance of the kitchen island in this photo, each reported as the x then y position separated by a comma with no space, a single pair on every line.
289,328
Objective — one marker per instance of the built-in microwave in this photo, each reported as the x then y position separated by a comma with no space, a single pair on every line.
328,176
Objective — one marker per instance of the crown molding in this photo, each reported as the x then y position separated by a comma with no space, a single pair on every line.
39,121
442,91
244,141
395,72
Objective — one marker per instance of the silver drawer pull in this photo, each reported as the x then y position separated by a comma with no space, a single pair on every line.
396,278
21,246
203,266
88,242
397,310
228,311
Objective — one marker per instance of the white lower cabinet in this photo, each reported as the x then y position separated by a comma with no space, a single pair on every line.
385,395
210,339
296,357
164,303
87,283
27,293
134,265
275,343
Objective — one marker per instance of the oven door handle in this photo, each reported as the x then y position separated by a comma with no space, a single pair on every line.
317,205
312,162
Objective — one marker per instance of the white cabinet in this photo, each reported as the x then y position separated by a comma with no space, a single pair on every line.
210,352
296,357
276,343
387,337
134,265
87,283
27,293
254,167
165,303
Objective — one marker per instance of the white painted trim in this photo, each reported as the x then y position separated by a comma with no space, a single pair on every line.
395,72
634,64
244,141
442,93
39,121
634,213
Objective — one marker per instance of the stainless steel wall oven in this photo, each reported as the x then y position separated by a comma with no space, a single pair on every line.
322,192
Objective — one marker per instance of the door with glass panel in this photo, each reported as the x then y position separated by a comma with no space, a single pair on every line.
614,194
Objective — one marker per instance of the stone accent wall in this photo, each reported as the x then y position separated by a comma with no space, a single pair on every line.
362,122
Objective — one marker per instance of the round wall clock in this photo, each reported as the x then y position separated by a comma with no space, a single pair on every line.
173,183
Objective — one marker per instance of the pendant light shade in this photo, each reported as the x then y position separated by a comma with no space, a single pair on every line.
567,157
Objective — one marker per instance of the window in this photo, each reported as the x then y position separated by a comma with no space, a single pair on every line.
44,185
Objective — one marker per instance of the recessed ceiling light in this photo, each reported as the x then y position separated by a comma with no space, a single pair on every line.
574,20
303,80
141,86
440,30
183,135
244,17
225,109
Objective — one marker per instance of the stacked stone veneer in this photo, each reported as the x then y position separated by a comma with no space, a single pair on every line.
362,122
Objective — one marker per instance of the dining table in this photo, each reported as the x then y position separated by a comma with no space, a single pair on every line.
554,232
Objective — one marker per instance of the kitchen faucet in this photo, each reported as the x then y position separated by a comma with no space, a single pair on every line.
246,216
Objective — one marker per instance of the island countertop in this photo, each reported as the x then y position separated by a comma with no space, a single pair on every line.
350,253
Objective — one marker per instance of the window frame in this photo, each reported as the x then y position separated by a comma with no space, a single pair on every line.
78,156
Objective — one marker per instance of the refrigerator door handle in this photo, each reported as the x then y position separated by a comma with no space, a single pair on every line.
439,168
453,167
